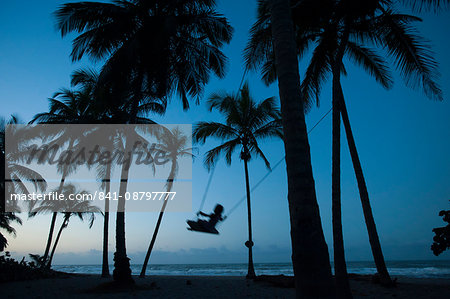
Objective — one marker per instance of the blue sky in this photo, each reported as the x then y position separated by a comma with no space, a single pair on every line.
402,138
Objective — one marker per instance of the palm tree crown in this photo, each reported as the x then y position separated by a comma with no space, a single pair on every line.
325,23
245,123
151,47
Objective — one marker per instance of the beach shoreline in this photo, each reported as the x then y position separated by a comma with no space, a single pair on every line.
70,285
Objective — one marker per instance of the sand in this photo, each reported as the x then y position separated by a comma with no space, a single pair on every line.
90,286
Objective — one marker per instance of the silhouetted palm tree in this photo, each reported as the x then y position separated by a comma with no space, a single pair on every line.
174,143
310,257
13,169
338,28
10,164
152,49
65,107
6,218
69,208
396,33
87,80
155,47
246,122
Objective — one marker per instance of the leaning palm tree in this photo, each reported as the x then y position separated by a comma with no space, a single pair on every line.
174,143
310,257
340,28
396,33
246,122
309,250
152,49
65,107
69,208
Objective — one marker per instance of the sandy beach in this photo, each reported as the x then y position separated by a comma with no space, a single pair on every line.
91,286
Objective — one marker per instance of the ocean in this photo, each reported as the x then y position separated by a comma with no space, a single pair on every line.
414,269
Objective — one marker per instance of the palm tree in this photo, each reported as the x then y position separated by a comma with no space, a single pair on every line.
6,218
69,208
396,34
87,80
309,251
173,143
246,123
152,49
16,173
339,28
65,107
13,169
159,46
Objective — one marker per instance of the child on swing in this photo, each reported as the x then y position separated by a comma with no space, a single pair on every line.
210,225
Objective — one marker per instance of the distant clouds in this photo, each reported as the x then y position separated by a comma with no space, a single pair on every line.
268,254
183,256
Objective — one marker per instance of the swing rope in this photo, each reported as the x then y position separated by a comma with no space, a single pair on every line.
214,167
207,189
270,171
265,176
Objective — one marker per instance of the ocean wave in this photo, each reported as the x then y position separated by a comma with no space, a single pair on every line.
409,269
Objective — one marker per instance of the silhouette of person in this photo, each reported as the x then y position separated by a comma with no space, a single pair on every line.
214,218
208,225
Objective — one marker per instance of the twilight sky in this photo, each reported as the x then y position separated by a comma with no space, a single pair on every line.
402,138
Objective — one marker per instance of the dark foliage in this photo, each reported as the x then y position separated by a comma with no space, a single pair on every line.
12,270
442,235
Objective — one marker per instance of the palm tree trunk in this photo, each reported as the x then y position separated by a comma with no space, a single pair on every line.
251,271
122,270
310,258
105,263
375,245
158,222
49,239
340,268
52,224
63,225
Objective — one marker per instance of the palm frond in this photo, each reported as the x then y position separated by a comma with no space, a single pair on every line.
412,54
226,148
203,130
370,62
316,74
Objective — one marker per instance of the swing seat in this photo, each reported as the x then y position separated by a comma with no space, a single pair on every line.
198,227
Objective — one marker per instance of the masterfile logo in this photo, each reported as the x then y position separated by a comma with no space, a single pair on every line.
70,168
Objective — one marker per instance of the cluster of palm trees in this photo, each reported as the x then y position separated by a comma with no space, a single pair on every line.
153,50
336,29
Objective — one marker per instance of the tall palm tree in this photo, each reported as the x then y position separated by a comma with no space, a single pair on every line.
68,208
339,28
396,33
87,80
152,49
246,122
174,143
65,107
309,250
